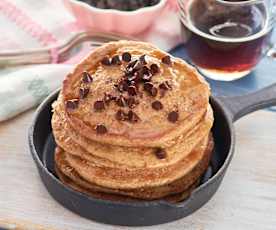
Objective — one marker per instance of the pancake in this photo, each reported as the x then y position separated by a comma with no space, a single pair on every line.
114,197
132,123
186,97
126,157
148,193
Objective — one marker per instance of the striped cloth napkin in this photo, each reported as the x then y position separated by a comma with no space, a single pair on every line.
44,23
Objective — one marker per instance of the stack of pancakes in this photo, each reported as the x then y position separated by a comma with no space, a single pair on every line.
132,123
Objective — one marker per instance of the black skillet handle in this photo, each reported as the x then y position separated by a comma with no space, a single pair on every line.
239,106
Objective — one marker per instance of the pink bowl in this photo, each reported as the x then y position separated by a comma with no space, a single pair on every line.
110,20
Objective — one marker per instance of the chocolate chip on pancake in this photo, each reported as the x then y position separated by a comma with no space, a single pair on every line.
153,91
116,60
138,65
132,90
146,74
86,78
165,85
72,104
133,117
154,68
121,101
157,105
126,56
99,105
83,92
131,65
173,116
101,129
148,86
106,61
142,59
167,60
160,153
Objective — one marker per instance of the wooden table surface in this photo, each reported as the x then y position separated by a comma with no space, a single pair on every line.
245,200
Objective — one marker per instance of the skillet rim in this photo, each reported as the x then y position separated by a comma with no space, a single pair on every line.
215,102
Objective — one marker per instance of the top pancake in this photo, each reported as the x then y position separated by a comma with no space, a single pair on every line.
187,95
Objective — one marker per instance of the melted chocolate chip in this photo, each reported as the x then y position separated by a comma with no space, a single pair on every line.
132,90
116,60
148,86
157,105
101,129
121,115
121,101
153,91
167,60
83,92
86,78
99,105
160,153
154,69
133,117
126,57
142,59
106,61
72,104
173,116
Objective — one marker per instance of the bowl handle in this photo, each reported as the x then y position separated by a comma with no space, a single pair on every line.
239,106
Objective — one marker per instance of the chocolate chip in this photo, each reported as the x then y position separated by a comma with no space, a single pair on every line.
153,91
131,64
173,116
122,85
116,60
106,61
83,92
101,129
131,102
121,101
132,90
162,92
99,105
138,65
107,98
126,57
154,69
165,85
167,60
72,104
86,78
157,105
142,59
132,117
146,74
160,153
148,86
121,116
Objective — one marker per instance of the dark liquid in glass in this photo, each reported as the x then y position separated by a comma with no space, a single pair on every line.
228,39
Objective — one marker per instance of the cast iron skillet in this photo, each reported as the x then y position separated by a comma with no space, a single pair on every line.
226,110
